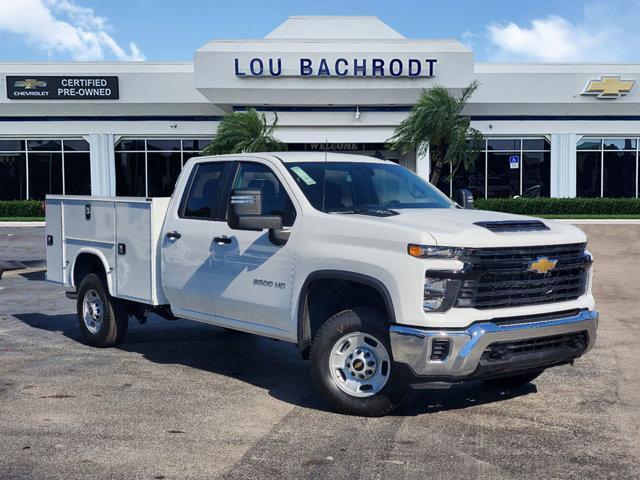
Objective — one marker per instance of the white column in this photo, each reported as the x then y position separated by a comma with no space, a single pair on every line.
103,169
423,164
563,164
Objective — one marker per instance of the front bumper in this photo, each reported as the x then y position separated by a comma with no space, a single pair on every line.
412,347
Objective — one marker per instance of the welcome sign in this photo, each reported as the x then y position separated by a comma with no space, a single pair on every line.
337,67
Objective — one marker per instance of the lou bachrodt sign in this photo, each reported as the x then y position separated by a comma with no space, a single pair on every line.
339,67
62,88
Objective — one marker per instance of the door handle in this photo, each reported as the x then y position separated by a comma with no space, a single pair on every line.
222,239
174,235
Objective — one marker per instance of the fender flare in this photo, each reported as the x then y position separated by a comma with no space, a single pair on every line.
303,330
105,265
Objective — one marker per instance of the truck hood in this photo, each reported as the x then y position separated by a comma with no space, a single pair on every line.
458,227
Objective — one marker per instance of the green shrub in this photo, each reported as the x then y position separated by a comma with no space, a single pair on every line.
561,206
21,208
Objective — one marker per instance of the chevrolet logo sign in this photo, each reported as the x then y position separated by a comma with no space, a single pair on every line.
609,87
30,84
542,265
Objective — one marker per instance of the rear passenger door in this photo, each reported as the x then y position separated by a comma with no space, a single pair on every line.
252,276
187,261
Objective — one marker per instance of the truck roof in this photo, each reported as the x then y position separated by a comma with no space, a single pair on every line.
296,157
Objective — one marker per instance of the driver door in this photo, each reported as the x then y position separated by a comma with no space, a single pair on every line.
251,275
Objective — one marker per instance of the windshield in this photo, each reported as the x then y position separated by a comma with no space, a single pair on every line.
352,186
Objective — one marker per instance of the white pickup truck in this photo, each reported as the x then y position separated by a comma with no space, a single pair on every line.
379,279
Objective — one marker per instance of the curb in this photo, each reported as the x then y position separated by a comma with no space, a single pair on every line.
22,224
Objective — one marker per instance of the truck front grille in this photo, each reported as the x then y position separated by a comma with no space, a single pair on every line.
499,277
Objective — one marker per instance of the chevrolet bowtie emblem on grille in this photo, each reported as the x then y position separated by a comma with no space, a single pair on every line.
30,84
542,265
609,87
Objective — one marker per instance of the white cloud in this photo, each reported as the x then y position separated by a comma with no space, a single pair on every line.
598,36
470,39
63,27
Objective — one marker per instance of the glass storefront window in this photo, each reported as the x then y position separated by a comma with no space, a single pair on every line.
503,144
589,144
150,167
33,168
11,145
76,145
619,144
164,145
536,144
472,178
536,174
496,174
77,173
195,144
588,174
13,175
619,174
130,145
44,145
502,179
163,169
45,174
130,174
607,167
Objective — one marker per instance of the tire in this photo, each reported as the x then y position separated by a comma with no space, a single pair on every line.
358,332
103,319
514,380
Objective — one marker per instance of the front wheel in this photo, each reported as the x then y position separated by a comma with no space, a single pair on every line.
352,366
103,319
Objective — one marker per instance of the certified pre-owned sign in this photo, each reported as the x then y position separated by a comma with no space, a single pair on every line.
31,87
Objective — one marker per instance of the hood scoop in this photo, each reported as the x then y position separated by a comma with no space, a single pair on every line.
513,226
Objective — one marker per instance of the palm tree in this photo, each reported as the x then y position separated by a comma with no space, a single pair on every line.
436,123
243,132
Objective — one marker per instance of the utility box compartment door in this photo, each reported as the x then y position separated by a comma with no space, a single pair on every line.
54,241
133,251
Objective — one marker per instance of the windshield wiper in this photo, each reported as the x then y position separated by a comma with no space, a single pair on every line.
371,211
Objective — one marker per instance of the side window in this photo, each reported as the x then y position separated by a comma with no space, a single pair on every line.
202,199
275,200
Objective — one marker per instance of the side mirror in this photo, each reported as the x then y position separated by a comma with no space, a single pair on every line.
464,198
245,212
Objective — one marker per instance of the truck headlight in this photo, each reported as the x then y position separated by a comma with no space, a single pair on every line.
431,251
440,294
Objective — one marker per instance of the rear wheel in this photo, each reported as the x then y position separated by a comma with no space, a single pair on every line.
103,319
352,366
515,380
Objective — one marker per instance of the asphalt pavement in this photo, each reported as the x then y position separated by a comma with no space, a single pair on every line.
183,400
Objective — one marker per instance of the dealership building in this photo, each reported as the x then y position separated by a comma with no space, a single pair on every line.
336,83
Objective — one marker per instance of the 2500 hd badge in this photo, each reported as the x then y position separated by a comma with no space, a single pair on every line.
269,283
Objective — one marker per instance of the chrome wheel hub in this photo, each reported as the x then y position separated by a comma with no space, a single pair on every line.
359,364
92,311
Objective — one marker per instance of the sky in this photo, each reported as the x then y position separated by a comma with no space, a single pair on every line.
171,30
